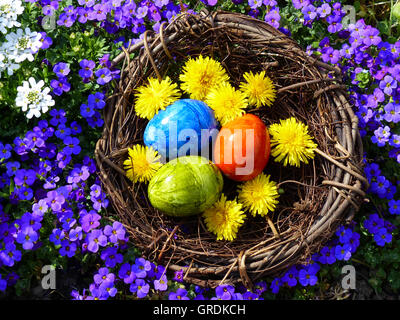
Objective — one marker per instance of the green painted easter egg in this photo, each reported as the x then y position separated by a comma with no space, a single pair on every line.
396,11
185,186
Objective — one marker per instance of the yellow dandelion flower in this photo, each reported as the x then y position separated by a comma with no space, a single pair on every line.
155,96
142,163
201,75
224,218
291,142
259,195
259,89
227,102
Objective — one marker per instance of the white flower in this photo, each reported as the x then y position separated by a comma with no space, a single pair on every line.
32,98
7,63
22,44
9,12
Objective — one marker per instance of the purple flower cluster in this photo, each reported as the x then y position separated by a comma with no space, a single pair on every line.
379,228
339,249
222,292
141,276
372,66
60,85
379,184
90,110
332,13
116,15
39,174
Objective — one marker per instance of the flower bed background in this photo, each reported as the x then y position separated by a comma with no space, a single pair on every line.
54,63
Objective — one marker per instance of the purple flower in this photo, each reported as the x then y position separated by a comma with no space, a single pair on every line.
59,86
255,3
126,273
103,275
24,177
27,236
56,236
344,234
334,26
380,186
224,292
395,140
97,100
24,193
55,200
180,294
161,284
75,234
40,208
46,41
141,12
75,128
141,267
95,239
373,223
108,288
115,232
388,84
66,20
67,248
3,284
392,113
272,18
382,237
141,287
309,11
95,120
66,219
87,110
290,277
248,295
371,36
5,151
31,220
61,69
87,67
58,117
71,146
394,206
327,255
298,4
343,252
111,257
10,254
307,277
275,285
103,76
381,136
324,10
12,167
354,241
178,276
90,221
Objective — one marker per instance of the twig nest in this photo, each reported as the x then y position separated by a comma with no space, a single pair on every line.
332,182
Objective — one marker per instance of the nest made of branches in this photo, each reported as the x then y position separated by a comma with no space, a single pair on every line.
317,197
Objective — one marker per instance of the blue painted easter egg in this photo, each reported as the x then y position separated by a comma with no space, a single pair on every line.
177,130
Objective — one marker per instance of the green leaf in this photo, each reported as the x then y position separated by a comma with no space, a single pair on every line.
381,273
383,27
